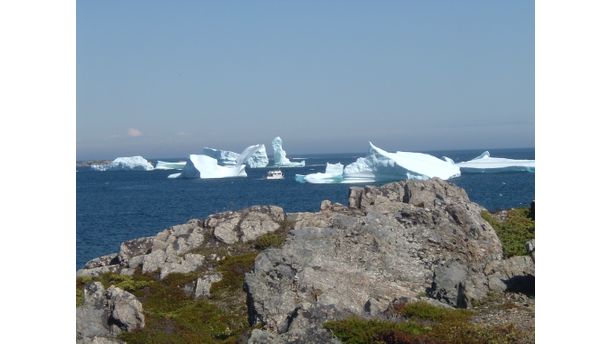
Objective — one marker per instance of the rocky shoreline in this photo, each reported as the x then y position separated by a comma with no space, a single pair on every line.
260,275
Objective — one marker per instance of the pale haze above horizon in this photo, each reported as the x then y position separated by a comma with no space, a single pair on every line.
165,79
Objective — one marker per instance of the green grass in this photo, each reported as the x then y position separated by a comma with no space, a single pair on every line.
174,317
422,323
425,311
269,240
514,231
355,330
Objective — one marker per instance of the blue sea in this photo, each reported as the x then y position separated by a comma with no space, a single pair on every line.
115,206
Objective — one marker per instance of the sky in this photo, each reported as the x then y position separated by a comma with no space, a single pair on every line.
166,78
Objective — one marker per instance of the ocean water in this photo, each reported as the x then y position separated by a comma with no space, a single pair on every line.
115,206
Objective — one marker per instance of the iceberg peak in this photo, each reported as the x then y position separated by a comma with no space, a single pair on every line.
259,158
484,155
280,156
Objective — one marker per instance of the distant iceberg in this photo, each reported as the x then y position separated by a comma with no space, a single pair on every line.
259,158
223,157
205,167
129,163
165,165
228,158
333,174
280,156
486,163
382,166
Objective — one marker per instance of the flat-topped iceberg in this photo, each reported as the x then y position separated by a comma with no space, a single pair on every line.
486,163
205,167
166,165
126,163
280,156
382,166
257,160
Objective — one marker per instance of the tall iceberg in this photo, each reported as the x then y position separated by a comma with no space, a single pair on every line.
126,163
257,160
486,163
280,156
205,167
382,166
165,165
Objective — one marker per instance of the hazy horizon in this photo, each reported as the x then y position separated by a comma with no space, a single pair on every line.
162,79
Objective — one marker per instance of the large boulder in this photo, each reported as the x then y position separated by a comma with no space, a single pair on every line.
125,310
106,313
246,225
402,239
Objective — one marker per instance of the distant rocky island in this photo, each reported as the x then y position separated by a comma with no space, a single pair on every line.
405,262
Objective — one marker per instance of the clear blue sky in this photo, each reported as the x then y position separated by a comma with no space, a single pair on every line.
166,78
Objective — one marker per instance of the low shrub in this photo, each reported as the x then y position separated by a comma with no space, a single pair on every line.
514,231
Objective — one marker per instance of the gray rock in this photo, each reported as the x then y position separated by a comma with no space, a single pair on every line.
99,340
225,226
530,247
97,271
109,259
105,313
513,274
136,247
168,250
398,240
92,316
125,310
203,284
262,337
449,284
248,224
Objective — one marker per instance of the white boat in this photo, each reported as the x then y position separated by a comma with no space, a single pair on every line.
275,174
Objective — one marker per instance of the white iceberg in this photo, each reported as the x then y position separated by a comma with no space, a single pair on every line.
382,166
223,157
228,158
280,156
166,165
332,175
127,163
205,167
486,163
259,158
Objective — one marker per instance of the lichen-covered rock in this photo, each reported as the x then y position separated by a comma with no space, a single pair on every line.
99,270
402,239
135,247
106,313
106,260
125,310
203,284
248,224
